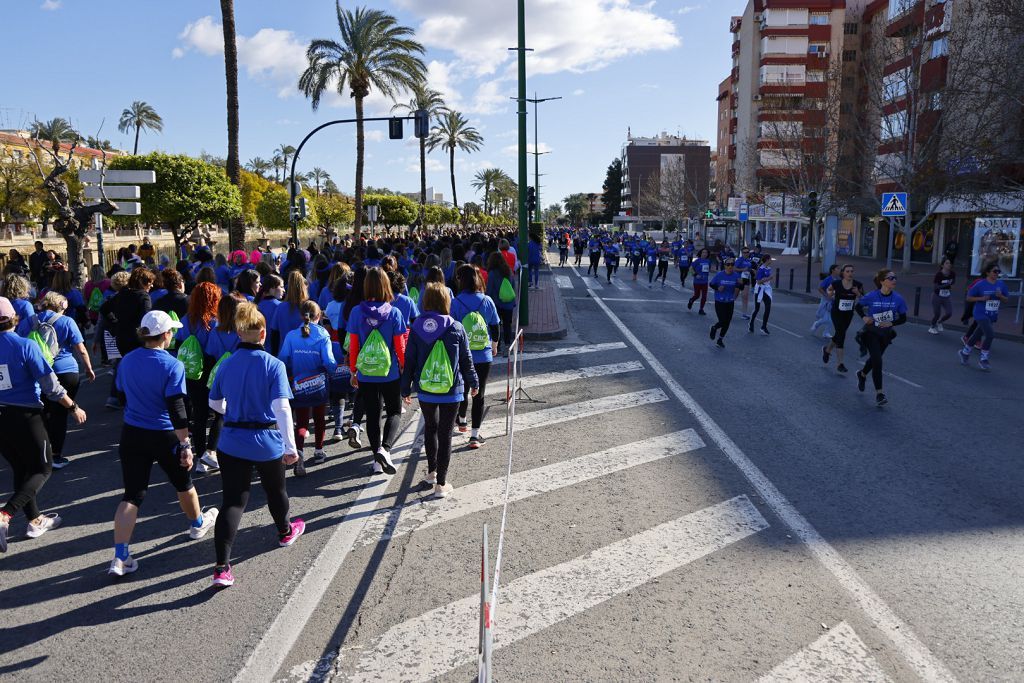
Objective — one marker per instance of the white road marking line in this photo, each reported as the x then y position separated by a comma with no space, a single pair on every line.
618,284
572,351
917,654
466,500
575,411
838,656
563,282
779,327
646,301
278,641
531,381
445,638
902,379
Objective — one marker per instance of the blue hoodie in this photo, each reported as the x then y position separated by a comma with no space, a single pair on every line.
382,316
307,360
429,328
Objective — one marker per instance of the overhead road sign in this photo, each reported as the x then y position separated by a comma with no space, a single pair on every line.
117,177
894,204
113,192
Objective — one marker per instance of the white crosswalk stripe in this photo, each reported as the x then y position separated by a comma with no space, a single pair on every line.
465,500
575,411
563,282
572,351
531,381
445,638
838,656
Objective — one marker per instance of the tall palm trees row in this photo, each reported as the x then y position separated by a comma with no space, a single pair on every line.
138,117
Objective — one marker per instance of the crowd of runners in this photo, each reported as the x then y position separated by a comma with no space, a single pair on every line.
230,363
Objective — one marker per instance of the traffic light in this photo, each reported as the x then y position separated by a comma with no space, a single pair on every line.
812,204
395,129
422,123
302,208
531,199
297,212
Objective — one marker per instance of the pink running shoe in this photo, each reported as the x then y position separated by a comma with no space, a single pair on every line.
298,527
223,578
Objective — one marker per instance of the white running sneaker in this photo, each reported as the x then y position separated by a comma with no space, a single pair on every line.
377,469
4,526
50,521
208,463
384,458
443,491
431,478
933,330
939,327
209,519
122,567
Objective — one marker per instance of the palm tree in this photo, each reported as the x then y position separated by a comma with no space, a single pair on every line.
454,132
140,116
374,52
319,175
277,161
55,131
431,101
487,179
235,224
285,152
259,166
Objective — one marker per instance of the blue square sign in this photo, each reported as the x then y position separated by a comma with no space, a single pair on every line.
894,204
744,213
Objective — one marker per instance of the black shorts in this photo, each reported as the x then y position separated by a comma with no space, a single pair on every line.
139,449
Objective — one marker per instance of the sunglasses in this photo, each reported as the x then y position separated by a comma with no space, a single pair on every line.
891,277
997,271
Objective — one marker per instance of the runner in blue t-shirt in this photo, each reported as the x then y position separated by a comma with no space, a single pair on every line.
725,284
471,299
986,294
701,275
881,310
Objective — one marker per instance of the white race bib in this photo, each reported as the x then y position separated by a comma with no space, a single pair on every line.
883,317
705,268
945,293
5,378
746,276
846,304
992,306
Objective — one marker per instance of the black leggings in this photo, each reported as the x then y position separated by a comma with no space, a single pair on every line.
766,299
199,417
482,370
841,322
683,272
139,449
438,423
505,315
876,345
236,479
700,291
376,394
662,271
26,447
724,310
650,272
56,416
594,263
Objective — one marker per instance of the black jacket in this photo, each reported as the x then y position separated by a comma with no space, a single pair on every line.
173,301
123,314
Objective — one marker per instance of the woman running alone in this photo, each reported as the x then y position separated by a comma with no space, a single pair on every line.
986,294
942,296
701,275
881,311
155,430
844,292
24,375
251,391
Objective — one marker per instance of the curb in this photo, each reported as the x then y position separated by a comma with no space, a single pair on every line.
562,331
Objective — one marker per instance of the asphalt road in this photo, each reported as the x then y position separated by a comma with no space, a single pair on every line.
680,512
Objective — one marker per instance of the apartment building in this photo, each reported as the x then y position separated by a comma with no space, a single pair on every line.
645,160
725,173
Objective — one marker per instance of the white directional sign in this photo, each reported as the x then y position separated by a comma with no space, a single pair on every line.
113,192
118,177
372,212
894,204
126,208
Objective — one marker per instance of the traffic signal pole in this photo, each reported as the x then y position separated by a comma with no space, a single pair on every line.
524,218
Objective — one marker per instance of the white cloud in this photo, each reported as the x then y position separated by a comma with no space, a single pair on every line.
603,31
50,5
686,9
513,150
433,165
507,134
578,91
177,53
373,135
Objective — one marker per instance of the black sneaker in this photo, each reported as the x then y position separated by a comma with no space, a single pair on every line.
319,457
881,400
825,355
701,311
689,305
765,332
862,381
841,368
720,344
714,328
60,462
476,442
300,468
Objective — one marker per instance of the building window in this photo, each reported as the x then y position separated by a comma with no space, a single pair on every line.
818,49
784,45
849,55
934,101
851,28
819,19
815,76
894,125
782,74
894,86
898,8
939,48
784,17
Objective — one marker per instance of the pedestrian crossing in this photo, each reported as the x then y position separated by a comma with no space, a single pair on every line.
435,641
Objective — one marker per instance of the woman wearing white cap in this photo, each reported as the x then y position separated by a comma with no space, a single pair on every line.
24,373
155,430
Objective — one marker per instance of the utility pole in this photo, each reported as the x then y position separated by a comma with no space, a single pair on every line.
536,150
524,218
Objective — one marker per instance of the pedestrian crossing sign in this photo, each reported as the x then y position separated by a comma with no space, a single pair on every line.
894,204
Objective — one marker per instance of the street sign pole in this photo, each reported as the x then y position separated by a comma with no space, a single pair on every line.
100,258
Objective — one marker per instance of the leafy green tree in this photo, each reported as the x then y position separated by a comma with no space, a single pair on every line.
19,187
334,211
272,211
375,52
394,209
252,189
576,206
140,116
187,191
612,194
453,132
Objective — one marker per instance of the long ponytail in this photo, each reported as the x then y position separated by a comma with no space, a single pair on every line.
310,312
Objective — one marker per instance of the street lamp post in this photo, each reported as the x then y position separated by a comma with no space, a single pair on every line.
536,150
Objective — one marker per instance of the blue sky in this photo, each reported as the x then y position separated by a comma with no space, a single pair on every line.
618,64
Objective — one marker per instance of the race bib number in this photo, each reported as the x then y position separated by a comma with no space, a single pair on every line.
992,306
883,317
5,378
945,293
746,276
705,268
846,304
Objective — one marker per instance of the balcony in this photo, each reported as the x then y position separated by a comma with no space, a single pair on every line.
933,73
908,16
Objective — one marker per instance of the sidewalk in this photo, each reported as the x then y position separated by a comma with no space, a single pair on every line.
547,311
915,287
